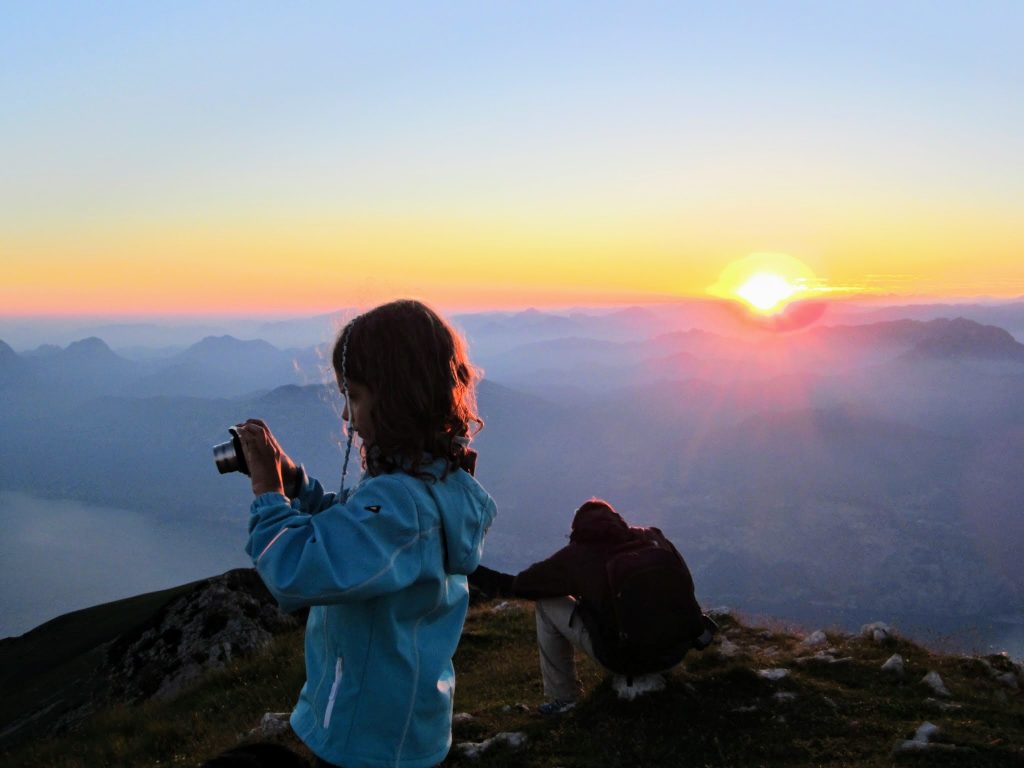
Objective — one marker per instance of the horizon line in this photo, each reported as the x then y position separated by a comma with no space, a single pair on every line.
887,299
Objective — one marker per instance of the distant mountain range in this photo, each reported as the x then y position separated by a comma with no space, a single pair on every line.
581,364
501,330
213,367
840,467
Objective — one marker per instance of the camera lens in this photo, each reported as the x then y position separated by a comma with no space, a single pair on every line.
229,456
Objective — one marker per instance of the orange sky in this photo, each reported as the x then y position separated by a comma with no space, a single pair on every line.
161,162
310,264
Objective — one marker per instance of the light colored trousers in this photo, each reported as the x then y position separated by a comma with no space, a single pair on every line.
558,641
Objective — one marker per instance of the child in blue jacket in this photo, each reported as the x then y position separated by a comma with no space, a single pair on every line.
383,567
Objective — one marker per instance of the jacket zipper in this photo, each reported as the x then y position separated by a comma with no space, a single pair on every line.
338,668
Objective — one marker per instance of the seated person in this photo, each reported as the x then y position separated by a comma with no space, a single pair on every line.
621,594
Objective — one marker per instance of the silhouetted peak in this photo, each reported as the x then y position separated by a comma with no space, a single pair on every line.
12,367
962,325
535,318
963,338
899,332
229,344
91,348
300,394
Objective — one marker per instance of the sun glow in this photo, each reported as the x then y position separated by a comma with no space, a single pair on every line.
767,282
765,291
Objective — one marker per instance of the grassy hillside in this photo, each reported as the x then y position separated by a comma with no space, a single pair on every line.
717,710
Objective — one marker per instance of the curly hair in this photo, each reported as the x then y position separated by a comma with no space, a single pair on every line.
416,366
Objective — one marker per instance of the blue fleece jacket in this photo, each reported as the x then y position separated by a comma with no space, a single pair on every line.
384,572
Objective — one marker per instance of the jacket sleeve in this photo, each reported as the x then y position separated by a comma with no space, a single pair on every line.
492,583
553,577
312,497
364,548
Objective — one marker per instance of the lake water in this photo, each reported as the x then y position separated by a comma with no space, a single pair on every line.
58,556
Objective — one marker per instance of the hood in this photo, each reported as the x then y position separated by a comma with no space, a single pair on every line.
467,511
596,521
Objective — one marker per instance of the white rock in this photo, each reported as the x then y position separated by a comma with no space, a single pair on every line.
519,707
922,738
878,631
221,619
642,685
895,665
910,746
747,709
462,717
719,612
824,657
783,696
773,674
814,640
945,706
728,648
475,749
272,724
934,681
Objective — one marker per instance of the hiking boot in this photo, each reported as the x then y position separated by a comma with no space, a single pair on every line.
556,707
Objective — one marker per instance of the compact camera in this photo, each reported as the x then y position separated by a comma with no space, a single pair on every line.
229,456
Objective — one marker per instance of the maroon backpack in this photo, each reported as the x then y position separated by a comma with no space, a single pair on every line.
654,612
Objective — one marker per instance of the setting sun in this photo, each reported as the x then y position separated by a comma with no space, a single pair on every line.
765,291
767,282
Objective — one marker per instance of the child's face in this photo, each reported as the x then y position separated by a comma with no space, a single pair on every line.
357,410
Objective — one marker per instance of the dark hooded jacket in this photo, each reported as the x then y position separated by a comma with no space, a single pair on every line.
579,569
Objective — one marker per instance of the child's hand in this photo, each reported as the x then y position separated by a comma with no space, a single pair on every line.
289,469
269,467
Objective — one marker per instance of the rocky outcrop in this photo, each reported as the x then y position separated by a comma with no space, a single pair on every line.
224,618
136,649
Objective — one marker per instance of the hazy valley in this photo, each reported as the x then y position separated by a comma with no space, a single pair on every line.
867,466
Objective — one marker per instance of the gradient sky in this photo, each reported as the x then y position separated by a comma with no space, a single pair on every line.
299,157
